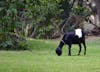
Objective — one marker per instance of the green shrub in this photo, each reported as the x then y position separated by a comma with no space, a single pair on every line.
12,42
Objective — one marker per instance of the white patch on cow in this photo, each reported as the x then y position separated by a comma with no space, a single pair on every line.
78,32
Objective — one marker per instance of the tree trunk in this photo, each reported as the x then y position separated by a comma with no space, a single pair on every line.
98,9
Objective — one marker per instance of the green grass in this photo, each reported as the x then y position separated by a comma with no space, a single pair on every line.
43,58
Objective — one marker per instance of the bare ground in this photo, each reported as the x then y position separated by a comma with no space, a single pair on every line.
92,38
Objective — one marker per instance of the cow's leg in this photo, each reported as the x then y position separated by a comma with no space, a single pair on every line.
84,48
80,47
69,49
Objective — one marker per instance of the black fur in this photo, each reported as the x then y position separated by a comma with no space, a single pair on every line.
59,51
70,38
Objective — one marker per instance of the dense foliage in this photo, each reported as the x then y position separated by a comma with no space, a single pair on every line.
34,18
9,22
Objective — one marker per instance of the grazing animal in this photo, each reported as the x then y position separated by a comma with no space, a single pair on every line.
76,36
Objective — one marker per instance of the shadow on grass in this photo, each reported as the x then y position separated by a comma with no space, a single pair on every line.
74,55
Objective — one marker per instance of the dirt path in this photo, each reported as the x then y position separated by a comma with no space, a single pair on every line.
92,38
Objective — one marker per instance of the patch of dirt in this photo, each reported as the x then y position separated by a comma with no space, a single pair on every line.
92,38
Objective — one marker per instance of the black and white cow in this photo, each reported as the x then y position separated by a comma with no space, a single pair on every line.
76,36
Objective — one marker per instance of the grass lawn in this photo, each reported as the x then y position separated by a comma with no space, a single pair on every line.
43,58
